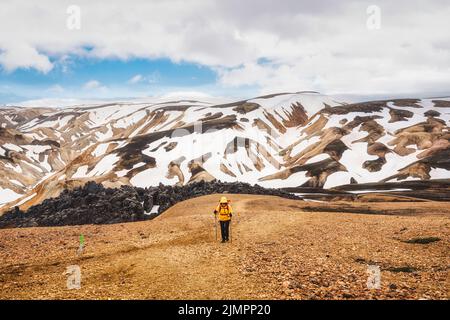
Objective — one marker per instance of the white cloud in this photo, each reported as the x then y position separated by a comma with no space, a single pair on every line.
19,55
322,45
135,79
152,78
93,84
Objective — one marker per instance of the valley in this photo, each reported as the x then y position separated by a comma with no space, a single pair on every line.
278,251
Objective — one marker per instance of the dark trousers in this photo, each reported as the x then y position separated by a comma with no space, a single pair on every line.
224,228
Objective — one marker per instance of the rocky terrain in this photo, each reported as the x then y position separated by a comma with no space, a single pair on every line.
281,249
285,140
94,204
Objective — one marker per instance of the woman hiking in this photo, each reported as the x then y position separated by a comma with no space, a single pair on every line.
225,213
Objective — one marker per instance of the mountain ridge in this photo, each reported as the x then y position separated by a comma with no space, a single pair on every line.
278,140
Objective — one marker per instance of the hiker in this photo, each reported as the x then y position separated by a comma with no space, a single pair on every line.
225,213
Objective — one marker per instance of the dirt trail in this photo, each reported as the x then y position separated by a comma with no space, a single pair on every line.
278,251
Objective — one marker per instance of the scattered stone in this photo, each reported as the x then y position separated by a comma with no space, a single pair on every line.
407,269
347,295
392,286
423,240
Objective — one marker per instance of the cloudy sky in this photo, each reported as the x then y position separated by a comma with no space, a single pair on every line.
234,48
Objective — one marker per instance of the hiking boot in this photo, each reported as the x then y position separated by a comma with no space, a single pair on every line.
223,241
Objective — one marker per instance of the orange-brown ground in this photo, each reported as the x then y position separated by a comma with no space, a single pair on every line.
279,251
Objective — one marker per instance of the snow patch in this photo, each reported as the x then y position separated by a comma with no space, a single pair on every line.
104,165
81,172
337,178
439,173
154,210
13,147
8,195
100,150
36,148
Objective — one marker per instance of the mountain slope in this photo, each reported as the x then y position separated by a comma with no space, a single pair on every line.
280,140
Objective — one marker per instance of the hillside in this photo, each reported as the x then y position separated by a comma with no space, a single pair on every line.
281,249
282,140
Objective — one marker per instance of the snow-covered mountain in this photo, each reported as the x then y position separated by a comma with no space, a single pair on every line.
279,140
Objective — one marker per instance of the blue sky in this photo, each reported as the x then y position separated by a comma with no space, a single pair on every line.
93,78
77,71
233,48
